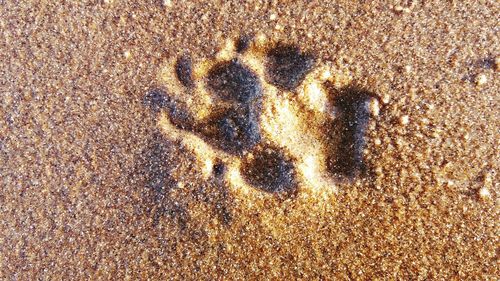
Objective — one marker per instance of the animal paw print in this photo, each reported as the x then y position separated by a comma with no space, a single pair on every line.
273,115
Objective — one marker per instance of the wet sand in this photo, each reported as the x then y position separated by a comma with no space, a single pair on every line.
78,147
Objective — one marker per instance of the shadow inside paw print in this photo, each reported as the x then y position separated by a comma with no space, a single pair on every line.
347,132
287,66
270,170
234,82
240,95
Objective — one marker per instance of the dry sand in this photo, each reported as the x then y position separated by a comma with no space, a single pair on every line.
76,144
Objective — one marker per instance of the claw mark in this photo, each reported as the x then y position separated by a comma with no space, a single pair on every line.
219,169
243,43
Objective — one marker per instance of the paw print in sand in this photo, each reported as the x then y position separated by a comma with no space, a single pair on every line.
273,116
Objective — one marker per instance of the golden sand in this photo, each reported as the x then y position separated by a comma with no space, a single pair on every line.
75,143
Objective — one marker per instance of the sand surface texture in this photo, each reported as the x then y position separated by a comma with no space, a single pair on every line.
258,140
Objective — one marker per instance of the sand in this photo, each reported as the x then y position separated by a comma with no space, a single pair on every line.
78,147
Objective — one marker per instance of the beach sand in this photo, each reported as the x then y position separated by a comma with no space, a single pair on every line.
78,148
